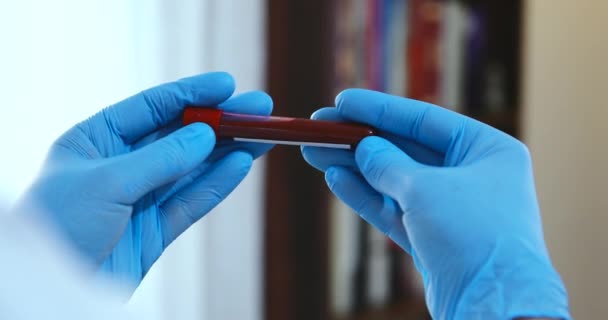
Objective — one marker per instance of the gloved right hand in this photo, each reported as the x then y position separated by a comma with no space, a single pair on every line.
457,195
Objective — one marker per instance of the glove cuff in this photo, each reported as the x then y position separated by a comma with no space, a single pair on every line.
511,286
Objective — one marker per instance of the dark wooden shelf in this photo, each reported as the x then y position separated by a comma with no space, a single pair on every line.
507,120
406,309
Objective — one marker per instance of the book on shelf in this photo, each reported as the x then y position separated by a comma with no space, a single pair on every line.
452,52
423,43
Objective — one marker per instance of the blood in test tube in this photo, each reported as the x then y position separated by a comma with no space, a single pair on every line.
279,130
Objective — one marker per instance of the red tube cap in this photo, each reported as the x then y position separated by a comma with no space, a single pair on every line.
207,115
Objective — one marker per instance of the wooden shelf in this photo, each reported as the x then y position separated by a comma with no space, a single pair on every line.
507,120
404,310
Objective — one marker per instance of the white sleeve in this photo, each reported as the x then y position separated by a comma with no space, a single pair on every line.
41,279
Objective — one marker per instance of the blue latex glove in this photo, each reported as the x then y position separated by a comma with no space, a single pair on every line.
457,195
122,185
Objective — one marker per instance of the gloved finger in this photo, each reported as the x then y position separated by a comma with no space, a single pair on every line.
415,150
253,102
431,126
157,134
151,109
385,167
322,158
256,150
222,147
377,209
167,191
327,113
203,194
135,174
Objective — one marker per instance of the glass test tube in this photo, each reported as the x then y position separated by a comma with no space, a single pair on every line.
279,130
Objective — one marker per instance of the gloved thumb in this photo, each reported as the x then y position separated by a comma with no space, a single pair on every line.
385,167
135,174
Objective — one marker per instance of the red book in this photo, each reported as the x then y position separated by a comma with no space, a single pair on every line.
423,50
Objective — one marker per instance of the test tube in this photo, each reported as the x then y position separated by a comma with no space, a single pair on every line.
279,130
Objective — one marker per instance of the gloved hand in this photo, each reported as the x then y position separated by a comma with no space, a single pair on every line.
457,195
122,185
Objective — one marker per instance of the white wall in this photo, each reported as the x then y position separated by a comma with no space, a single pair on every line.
565,126
63,60
59,64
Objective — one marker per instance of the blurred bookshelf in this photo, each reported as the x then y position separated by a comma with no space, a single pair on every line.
463,55
323,261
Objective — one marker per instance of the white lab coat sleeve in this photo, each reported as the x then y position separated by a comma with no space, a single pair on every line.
40,278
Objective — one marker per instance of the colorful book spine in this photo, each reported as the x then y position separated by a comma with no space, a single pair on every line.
423,50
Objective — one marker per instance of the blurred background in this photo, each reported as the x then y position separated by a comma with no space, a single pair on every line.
281,247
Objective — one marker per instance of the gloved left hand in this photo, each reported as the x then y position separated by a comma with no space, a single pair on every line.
122,185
